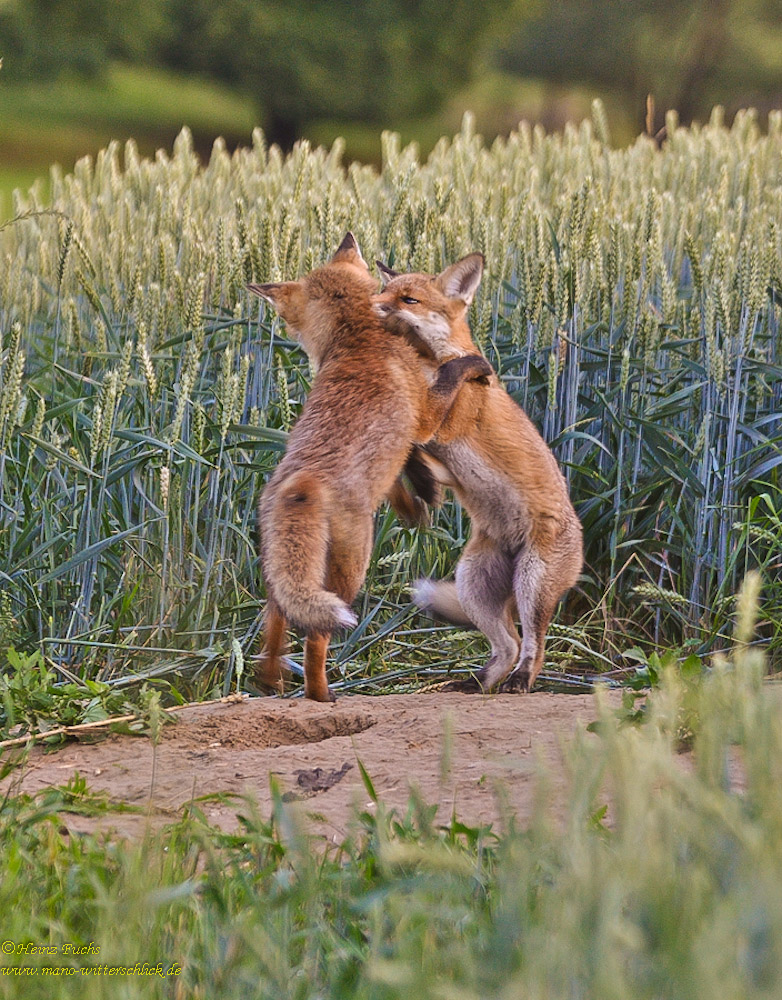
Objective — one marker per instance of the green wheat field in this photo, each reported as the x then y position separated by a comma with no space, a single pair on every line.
631,302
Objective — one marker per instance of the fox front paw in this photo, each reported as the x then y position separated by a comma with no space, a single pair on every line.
469,368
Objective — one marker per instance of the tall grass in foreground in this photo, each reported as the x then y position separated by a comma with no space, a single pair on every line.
631,301
656,879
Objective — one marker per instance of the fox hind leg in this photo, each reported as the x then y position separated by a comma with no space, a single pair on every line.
484,583
351,547
316,685
538,584
536,607
268,671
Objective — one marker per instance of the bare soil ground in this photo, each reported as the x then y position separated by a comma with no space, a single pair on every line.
492,743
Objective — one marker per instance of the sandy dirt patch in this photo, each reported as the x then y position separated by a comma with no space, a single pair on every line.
313,749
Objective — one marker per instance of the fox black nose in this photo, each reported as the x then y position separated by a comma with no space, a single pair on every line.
382,308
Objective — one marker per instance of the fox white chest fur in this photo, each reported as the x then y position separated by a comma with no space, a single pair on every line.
488,495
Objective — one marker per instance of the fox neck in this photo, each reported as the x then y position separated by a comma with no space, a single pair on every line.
336,334
315,346
461,337
446,337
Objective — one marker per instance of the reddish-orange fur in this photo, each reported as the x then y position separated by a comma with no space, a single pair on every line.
526,546
368,405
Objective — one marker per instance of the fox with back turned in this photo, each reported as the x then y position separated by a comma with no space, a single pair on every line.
371,401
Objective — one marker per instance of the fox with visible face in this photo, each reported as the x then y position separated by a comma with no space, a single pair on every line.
370,403
525,549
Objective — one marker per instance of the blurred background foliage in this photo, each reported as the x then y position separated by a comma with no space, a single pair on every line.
375,62
77,73
690,54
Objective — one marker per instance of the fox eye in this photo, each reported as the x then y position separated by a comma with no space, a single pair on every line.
409,300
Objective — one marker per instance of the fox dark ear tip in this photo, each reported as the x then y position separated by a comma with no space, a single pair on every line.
267,292
348,242
386,270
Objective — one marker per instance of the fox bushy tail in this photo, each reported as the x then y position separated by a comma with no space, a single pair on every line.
295,540
440,599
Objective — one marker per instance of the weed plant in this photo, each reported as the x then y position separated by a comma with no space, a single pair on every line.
631,302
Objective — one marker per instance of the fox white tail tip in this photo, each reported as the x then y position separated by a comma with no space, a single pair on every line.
423,593
346,618
439,599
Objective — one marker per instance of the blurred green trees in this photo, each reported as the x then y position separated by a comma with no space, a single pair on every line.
383,62
42,39
376,61
690,54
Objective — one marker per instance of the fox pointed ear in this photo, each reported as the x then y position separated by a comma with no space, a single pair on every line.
348,250
461,280
386,274
348,243
278,293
